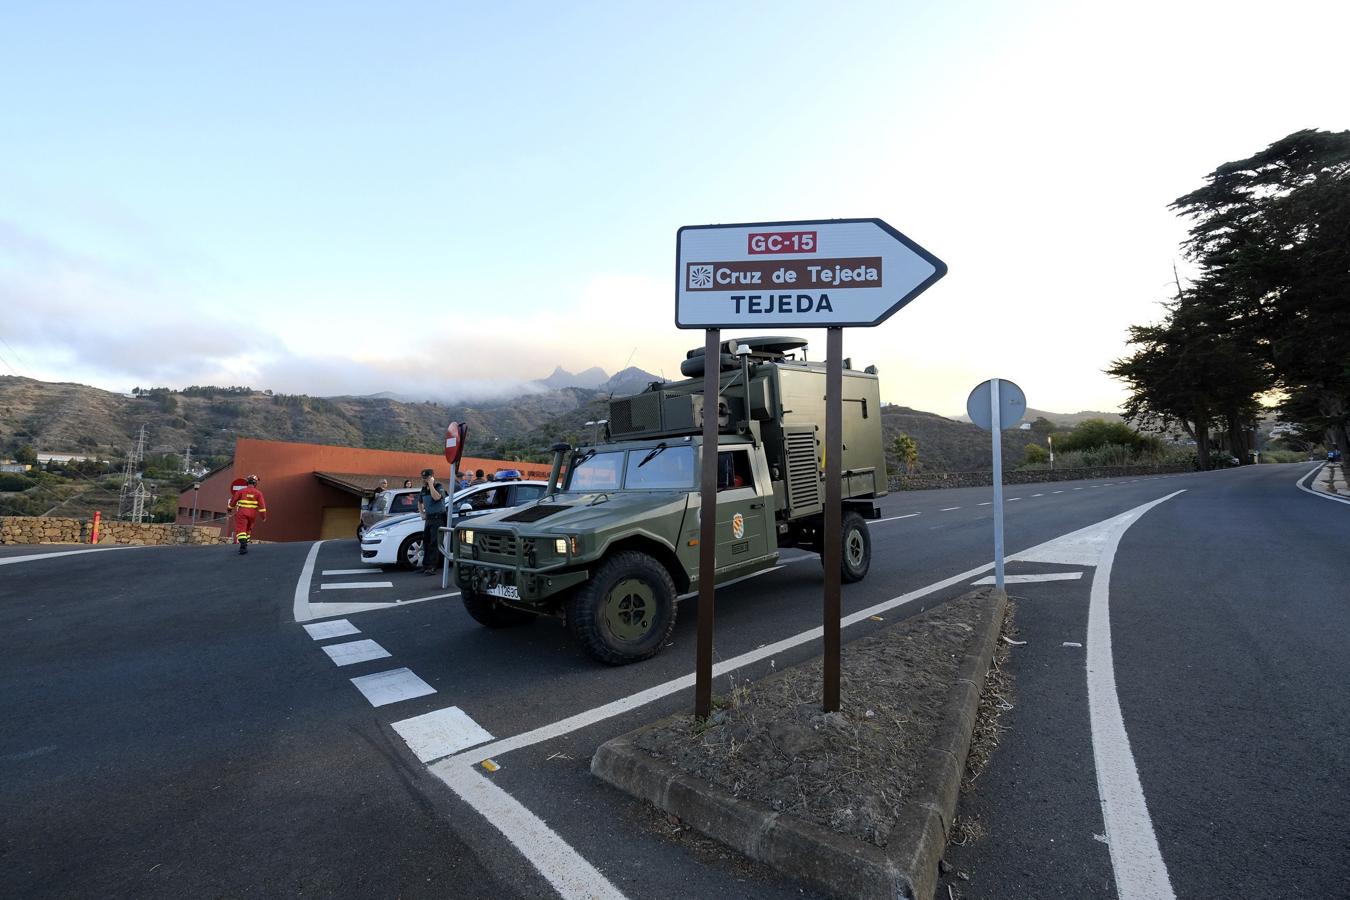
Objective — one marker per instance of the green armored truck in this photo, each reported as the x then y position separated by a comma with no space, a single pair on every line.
614,543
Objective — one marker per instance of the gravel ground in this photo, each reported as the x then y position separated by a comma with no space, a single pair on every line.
848,771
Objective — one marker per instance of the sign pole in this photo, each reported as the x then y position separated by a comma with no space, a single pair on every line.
996,427
707,524
834,452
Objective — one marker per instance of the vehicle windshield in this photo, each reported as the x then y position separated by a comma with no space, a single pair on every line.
670,468
648,469
596,472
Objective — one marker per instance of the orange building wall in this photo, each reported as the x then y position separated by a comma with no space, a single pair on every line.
296,498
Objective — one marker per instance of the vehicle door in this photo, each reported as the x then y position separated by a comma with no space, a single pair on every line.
486,499
377,510
742,516
402,504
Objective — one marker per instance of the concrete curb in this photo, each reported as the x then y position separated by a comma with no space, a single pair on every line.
840,866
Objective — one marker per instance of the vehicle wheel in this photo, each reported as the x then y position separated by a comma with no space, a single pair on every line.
361,531
410,552
488,610
857,556
626,611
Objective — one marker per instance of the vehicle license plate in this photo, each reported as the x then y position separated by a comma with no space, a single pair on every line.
505,591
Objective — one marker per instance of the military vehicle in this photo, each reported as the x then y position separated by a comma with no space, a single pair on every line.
613,544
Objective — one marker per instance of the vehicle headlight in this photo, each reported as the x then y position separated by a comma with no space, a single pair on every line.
376,534
560,546
466,536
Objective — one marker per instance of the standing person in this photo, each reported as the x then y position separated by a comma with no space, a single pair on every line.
247,504
407,482
479,477
432,503
379,489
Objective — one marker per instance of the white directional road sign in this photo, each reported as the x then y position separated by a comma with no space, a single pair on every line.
831,272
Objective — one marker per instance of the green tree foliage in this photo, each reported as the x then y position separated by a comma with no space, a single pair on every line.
1094,433
1269,309
1043,426
1035,455
26,455
1271,235
906,451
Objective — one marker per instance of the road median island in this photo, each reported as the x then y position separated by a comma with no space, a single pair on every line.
858,804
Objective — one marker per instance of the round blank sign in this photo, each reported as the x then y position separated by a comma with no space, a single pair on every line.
1011,401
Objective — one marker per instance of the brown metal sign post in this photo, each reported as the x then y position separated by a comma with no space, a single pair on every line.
834,545
707,524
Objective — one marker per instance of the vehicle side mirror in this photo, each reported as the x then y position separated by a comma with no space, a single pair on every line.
466,508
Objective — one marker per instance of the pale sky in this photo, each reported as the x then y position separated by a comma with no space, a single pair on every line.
449,199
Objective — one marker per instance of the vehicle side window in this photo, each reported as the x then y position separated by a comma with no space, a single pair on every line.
733,470
526,493
405,503
492,498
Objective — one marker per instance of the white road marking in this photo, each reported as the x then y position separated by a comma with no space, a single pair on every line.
1077,489
1011,499
1135,857
322,631
1038,495
949,509
665,689
325,610
985,503
369,570
564,868
1316,493
1071,644
300,608
894,518
384,688
1031,579
32,557
440,733
354,585
1056,492
353,652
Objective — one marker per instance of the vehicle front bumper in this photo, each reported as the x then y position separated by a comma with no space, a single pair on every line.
535,583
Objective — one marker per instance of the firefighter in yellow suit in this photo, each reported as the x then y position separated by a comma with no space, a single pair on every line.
246,505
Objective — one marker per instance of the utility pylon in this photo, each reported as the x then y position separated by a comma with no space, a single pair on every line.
131,503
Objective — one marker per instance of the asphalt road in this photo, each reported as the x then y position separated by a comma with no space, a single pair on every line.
171,729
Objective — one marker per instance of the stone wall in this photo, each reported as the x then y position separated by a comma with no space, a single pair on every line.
927,481
53,530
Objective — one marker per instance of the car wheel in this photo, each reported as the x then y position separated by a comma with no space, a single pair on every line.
410,552
626,611
360,531
856,558
488,610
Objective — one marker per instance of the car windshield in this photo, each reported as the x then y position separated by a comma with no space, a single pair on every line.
596,472
670,468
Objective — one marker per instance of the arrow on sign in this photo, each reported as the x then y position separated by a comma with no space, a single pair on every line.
832,272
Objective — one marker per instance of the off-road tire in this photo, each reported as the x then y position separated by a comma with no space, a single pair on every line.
489,611
403,550
855,557
596,609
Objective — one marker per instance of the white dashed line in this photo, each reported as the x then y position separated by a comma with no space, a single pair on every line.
949,509
1038,495
353,652
354,585
322,631
384,688
894,518
33,557
1056,492
371,570
985,503
440,733
1011,499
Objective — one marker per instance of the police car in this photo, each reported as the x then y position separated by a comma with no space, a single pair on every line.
398,541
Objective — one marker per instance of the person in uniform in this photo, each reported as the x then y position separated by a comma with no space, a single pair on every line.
247,505
433,503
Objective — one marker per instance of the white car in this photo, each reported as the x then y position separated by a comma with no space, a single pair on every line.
398,541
